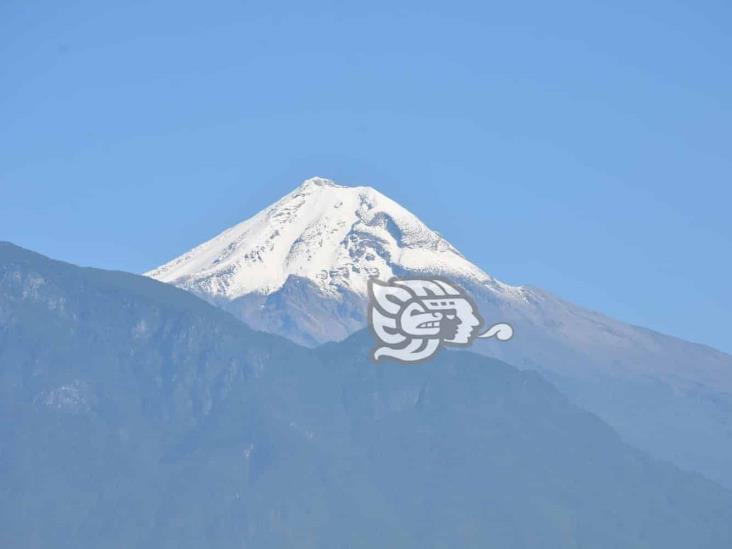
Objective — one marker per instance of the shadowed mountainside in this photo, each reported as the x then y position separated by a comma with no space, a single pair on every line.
133,414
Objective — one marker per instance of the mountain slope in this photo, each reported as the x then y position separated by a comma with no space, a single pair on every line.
135,415
299,269
336,237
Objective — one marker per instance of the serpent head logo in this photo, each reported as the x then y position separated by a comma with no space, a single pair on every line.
413,318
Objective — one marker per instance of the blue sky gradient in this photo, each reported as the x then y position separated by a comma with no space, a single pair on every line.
582,147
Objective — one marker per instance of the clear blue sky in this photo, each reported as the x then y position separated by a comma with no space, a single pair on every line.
582,147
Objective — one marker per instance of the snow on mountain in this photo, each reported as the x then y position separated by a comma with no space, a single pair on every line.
299,268
334,236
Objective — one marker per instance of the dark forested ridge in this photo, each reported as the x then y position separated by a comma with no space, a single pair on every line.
133,414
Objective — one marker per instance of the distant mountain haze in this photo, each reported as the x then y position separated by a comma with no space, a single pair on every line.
134,414
299,269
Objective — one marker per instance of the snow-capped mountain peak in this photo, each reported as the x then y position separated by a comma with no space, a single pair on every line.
299,269
335,236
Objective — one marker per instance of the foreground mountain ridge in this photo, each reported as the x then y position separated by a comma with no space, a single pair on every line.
133,414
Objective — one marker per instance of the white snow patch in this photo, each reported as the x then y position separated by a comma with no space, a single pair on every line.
335,236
